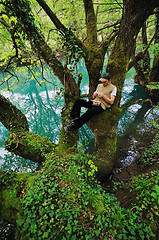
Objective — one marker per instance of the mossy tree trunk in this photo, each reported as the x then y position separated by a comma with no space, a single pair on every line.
134,15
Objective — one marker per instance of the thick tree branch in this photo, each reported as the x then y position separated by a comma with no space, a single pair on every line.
91,22
11,117
29,146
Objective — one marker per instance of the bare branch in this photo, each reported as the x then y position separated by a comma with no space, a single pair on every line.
54,30
126,105
109,26
119,4
110,38
42,67
8,78
107,3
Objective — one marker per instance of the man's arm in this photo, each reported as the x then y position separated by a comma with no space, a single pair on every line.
108,100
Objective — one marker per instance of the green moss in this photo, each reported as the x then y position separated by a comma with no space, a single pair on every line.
118,65
10,205
98,204
12,188
12,118
67,141
29,145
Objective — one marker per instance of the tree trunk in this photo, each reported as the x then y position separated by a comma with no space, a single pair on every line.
135,14
104,128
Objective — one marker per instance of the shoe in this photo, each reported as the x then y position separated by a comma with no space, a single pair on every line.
69,127
71,121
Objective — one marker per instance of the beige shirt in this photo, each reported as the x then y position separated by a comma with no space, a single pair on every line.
107,90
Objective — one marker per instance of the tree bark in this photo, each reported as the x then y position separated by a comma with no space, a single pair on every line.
104,128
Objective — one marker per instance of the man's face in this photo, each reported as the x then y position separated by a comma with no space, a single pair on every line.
105,82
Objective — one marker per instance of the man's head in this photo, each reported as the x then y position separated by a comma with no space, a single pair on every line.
105,79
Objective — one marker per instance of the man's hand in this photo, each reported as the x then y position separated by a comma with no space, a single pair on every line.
95,94
100,94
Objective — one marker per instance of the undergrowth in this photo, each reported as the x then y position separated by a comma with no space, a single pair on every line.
151,154
66,202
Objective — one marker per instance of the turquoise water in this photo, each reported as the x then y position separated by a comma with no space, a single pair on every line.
42,107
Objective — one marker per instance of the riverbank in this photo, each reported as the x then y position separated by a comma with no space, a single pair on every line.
136,186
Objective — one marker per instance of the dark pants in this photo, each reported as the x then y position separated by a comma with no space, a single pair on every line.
92,111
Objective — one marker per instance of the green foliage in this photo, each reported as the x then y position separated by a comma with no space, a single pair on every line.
153,85
22,10
142,194
154,123
154,49
71,49
146,189
66,202
6,177
151,154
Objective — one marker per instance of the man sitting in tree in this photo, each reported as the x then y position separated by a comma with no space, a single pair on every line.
103,98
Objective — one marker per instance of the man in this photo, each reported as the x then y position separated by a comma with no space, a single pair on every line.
103,98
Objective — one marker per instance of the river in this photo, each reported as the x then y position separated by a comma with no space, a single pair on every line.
42,106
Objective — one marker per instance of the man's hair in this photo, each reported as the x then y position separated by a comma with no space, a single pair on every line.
106,76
